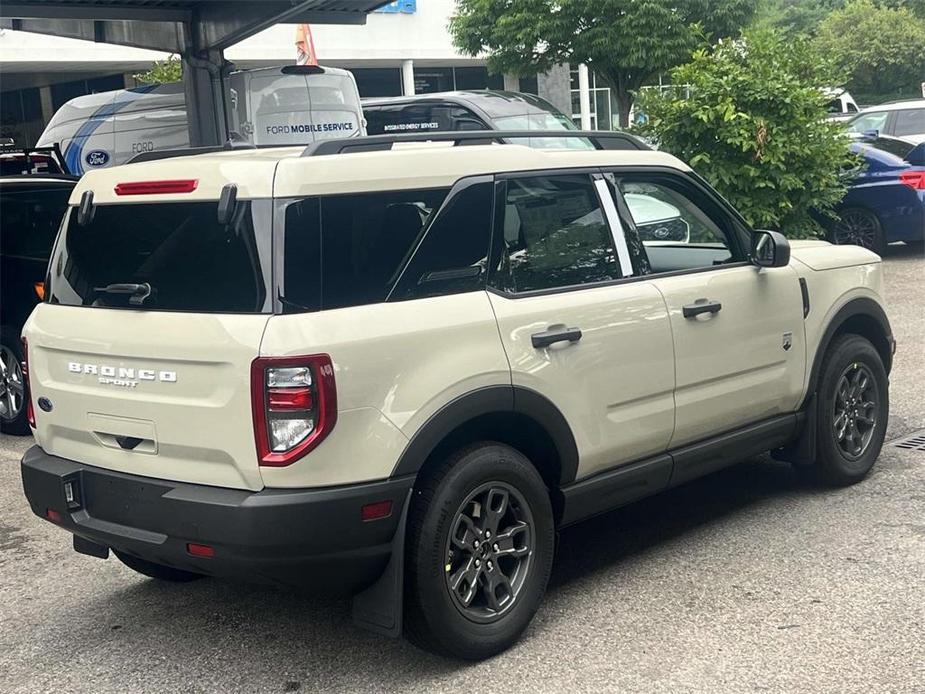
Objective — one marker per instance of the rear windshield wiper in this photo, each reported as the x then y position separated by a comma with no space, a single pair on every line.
137,293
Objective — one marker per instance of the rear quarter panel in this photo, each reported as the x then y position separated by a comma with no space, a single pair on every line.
396,364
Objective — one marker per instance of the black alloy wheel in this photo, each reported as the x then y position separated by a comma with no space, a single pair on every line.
489,551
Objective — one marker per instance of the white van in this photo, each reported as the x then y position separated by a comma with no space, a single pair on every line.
290,105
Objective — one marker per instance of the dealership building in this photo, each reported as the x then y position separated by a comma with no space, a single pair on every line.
403,48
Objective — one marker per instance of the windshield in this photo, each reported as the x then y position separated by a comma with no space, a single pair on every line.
166,257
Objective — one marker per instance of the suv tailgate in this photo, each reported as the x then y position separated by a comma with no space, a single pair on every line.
159,394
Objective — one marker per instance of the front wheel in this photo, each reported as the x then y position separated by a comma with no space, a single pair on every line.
854,407
480,550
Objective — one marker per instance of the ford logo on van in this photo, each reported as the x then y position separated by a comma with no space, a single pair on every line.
97,157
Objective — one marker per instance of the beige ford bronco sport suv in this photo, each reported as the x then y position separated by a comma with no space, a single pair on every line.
398,367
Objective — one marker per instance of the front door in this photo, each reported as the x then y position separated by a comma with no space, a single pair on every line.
574,328
740,350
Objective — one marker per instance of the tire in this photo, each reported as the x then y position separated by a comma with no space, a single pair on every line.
848,444
472,483
158,571
14,394
859,227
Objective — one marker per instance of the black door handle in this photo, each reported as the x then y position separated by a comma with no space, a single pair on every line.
555,333
701,306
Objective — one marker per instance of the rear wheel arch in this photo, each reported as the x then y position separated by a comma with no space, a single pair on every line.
518,417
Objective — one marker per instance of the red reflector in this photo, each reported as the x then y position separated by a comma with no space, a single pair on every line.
187,185
913,179
53,515
380,509
200,550
290,398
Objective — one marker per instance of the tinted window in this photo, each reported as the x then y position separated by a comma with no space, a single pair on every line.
910,122
553,234
434,117
898,148
452,258
365,241
29,220
191,262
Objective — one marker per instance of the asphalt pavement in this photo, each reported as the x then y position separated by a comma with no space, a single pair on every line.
742,581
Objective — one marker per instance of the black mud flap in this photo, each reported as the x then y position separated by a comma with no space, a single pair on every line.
92,549
802,450
379,607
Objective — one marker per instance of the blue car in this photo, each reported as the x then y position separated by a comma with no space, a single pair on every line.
886,201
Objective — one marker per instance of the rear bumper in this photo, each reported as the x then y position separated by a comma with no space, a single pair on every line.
307,537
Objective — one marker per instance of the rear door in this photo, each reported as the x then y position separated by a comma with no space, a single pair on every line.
154,378
576,327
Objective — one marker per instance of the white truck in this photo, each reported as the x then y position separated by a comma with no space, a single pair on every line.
289,105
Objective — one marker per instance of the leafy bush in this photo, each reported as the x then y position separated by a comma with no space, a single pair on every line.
755,126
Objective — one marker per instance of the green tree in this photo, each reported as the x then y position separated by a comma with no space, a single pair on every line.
882,50
754,125
627,43
163,71
805,16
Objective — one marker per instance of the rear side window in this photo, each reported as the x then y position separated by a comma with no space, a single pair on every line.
363,240
29,220
435,117
453,256
553,234
189,260
910,122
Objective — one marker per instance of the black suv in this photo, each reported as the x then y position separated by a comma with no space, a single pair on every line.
32,203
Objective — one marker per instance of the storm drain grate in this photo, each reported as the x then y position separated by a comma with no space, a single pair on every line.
913,442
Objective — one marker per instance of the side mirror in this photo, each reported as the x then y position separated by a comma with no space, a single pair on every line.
870,135
770,249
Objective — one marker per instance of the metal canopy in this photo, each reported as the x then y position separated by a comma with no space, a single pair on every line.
198,30
174,25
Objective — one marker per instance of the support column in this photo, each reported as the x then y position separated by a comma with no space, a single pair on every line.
511,83
407,77
207,103
48,106
584,96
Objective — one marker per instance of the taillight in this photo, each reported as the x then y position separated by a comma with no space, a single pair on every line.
186,185
295,406
30,412
913,179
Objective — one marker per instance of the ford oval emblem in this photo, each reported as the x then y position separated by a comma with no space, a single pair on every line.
97,157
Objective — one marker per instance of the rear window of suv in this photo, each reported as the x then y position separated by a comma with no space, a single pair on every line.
190,261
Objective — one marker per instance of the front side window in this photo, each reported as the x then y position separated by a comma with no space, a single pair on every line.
869,121
553,234
680,228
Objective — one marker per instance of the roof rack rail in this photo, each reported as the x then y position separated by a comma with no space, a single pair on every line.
157,154
377,143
